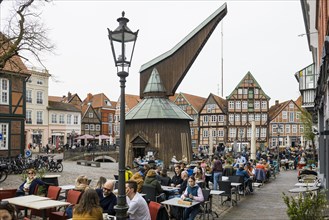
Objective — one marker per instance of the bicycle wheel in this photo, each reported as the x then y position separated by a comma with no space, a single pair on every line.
60,167
3,176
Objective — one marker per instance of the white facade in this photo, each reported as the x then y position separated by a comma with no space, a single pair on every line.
63,127
36,123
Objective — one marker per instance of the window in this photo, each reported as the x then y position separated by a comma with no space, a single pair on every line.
245,91
264,117
251,117
28,117
4,91
257,117
257,132
98,127
53,118
205,118
238,104
110,129
274,128
90,115
240,91
294,129
29,96
220,118
301,128
231,105
39,82
39,118
232,132
297,115
92,127
214,133
284,115
68,119
244,118
192,131
220,133
291,105
248,132
257,104
264,105
237,117
291,116
213,118
86,127
288,129
281,128
231,117
263,132
256,91
244,104
39,97
75,120
4,131
205,133
61,119
251,106
110,118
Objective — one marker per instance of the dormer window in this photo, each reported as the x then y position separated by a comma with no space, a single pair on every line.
91,115
108,103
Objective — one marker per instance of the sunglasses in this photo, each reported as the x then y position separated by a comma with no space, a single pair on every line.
30,173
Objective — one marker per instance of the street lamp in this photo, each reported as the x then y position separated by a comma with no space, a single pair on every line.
122,43
72,137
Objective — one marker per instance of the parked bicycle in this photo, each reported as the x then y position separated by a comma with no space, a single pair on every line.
3,172
55,166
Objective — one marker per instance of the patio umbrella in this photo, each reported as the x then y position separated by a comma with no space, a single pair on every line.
103,137
85,136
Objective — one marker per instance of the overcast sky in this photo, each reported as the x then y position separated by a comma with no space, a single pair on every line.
259,36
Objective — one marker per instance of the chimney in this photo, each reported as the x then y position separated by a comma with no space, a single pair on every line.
89,97
69,95
276,102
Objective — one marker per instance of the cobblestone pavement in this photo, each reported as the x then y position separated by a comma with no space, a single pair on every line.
264,203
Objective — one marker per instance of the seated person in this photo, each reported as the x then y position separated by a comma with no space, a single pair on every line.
173,159
30,183
189,170
88,206
199,175
107,199
192,192
176,179
138,177
163,178
183,185
138,208
7,211
151,180
81,183
101,181
242,172
128,173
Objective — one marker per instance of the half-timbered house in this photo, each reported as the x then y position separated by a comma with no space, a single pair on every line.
247,102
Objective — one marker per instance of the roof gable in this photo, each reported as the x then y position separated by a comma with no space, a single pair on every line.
248,81
195,101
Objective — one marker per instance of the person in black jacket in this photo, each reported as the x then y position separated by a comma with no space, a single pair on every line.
176,179
30,184
107,199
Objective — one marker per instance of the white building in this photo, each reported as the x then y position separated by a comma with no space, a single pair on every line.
36,124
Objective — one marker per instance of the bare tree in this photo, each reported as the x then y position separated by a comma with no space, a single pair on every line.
24,34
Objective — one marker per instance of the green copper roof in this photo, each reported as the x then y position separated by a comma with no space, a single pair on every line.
154,84
157,108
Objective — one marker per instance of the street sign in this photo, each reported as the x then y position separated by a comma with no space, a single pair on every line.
0,137
28,153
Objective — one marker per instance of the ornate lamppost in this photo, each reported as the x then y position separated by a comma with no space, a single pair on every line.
122,43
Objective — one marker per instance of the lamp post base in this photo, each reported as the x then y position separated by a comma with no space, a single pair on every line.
121,212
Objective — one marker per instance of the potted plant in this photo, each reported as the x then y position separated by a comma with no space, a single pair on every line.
308,207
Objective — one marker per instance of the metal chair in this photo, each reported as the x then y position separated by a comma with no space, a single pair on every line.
150,194
228,192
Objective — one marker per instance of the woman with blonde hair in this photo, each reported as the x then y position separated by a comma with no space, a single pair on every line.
30,183
81,183
88,207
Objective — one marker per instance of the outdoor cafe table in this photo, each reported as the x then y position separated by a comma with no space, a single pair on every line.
46,204
214,192
174,202
169,188
307,184
303,190
25,200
